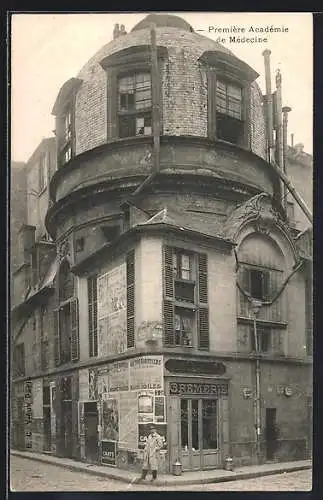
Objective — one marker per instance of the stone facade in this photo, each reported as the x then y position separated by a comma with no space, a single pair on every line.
142,308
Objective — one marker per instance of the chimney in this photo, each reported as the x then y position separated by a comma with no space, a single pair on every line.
285,110
299,148
292,140
268,101
116,31
278,120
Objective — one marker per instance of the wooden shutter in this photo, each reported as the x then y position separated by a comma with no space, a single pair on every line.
57,347
168,272
93,313
169,331
130,262
203,328
202,278
203,310
74,318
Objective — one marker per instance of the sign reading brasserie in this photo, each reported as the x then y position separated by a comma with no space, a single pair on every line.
108,452
146,372
194,388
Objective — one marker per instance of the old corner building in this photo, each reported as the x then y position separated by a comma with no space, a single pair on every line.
161,273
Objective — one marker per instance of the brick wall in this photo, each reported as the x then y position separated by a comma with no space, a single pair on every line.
184,89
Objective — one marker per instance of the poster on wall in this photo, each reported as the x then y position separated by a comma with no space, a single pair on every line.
117,290
119,376
103,327
37,398
146,372
93,384
28,413
145,406
128,420
117,332
110,420
84,384
103,383
108,452
143,432
102,294
159,409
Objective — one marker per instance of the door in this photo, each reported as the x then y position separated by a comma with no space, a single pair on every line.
199,433
271,433
67,429
20,424
91,431
47,429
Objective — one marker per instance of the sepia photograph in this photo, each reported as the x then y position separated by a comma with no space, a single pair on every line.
161,251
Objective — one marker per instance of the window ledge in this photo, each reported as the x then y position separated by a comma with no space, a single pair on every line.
183,304
263,322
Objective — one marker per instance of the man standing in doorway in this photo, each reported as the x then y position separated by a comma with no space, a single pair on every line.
153,445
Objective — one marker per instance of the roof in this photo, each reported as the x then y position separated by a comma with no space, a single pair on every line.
163,20
204,223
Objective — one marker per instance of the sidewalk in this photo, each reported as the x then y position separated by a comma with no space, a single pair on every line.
198,477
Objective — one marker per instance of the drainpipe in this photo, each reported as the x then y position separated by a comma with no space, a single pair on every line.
256,305
286,110
155,97
269,102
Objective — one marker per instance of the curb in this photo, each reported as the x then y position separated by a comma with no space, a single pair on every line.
223,479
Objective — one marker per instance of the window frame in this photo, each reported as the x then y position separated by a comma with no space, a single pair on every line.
66,134
188,313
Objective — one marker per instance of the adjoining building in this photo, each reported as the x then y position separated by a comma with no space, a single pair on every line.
172,285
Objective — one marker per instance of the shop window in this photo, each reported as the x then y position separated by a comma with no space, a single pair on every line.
134,105
195,424
210,424
184,326
184,423
93,315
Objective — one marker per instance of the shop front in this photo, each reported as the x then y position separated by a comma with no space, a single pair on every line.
198,431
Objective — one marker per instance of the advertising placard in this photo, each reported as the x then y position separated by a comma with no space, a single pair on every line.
110,420
143,432
146,372
108,452
119,376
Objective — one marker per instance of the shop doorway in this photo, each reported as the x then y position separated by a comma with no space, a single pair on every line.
199,433
91,421
47,445
271,433
67,429
20,442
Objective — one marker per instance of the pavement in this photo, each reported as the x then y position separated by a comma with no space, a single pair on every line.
187,478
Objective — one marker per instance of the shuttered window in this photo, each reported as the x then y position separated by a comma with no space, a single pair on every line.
93,314
130,262
74,317
185,286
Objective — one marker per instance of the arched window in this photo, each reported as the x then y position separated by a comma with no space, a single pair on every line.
66,318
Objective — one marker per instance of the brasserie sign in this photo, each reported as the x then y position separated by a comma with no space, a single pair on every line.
200,389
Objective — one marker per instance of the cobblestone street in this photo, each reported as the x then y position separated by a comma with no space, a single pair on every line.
29,475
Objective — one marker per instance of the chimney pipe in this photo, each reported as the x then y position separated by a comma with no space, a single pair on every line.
279,128
269,101
292,140
155,86
285,110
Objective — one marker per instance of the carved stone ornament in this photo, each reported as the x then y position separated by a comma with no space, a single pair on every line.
64,250
258,210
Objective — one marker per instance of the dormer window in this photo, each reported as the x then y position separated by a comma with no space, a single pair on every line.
65,126
134,98
229,86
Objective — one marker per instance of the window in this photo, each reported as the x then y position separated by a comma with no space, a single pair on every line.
229,112
66,138
258,284
210,424
186,317
93,316
66,318
263,339
134,105
19,360
79,244
184,325
43,172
